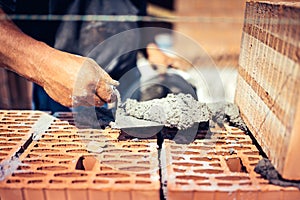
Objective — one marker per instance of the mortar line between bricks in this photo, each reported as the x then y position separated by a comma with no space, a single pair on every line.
12,164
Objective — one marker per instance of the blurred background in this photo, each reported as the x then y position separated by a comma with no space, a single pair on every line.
215,25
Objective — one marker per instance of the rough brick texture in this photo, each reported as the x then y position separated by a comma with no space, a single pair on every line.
268,82
221,167
67,163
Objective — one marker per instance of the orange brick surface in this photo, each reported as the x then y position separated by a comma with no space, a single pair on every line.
221,167
69,163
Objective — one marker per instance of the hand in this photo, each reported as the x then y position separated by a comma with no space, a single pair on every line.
162,61
76,81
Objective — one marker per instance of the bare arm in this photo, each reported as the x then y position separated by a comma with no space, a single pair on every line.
67,78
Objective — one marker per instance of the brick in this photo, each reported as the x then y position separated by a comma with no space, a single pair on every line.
62,164
268,83
221,167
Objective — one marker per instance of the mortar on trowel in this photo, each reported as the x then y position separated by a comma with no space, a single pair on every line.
181,111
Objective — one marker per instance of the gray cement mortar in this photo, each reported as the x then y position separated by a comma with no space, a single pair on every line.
268,171
182,111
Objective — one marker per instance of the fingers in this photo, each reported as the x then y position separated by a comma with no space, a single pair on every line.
105,92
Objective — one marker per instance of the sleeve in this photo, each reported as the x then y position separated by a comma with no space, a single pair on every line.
9,6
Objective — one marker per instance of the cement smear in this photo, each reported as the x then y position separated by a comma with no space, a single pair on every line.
267,171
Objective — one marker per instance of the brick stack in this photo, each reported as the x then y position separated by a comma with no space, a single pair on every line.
69,163
268,82
221,167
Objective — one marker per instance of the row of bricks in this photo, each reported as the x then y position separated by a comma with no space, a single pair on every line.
217,167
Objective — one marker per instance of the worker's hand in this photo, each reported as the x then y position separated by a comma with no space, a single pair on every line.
76,81
161,61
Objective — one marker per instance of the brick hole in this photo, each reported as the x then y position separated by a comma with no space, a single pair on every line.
13,181
6,149
144,162
135,169
236,132
187,164
181,183
233,178
245,184
215,164
10,122
52,168
191,177
34,181
15,139
25,120
235,138
177,158
47,136
213,143
44,150
112,175
65,162
40,145
144,151
11,135
100,181
237,147
202,147
23,168
51,140
144,175
66,136
55,181
110,156
122,182
135,146
3,154
23,130
185,152
117,151
69,128
209,171
135,156
251,153
29,174
204,159
224,184
105,168
115,162
98,136
235,165
79,181
77,151
69,174
86,163
244,142
178,170
19,127
7,144
220,153
176,147
6,130
37,161
142,182
66,145
253,159
59,156
203,184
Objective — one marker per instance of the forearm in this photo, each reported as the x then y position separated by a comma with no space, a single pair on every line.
21,53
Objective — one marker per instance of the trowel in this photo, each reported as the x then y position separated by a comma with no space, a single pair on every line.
133,126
